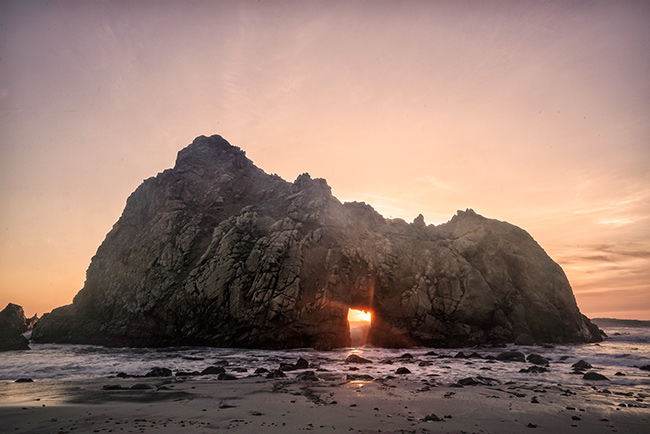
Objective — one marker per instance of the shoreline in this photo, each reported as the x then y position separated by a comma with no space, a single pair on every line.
328,404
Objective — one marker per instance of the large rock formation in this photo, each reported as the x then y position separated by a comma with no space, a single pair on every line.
217,252
12,326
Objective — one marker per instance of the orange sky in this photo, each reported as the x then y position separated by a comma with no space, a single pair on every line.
531,112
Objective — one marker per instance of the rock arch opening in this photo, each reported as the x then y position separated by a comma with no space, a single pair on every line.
359,322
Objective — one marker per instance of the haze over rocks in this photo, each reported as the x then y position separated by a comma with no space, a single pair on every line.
217,252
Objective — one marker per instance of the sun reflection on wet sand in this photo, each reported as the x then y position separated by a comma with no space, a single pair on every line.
45,392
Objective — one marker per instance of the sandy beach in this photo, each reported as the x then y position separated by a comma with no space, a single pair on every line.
334,404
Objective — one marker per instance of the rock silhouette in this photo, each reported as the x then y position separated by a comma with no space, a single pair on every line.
12,326
217,252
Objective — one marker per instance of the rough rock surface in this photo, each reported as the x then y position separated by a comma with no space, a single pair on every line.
217,252
12,325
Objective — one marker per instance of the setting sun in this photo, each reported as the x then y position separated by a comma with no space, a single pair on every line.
355,315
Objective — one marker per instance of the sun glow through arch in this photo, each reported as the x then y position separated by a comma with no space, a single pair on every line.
356,315
359,322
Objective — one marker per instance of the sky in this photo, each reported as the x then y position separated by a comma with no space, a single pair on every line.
535,113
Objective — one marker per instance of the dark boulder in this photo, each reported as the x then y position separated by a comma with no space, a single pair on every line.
224,376
159,372
595,376
353,358
213,370
469,381
432,418
536,359
187,373
478,380
511,356
24,380
276,373
581,365
300,364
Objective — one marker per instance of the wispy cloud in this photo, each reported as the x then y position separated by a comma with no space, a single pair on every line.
609,277
618,203
617,222
436,183
605,253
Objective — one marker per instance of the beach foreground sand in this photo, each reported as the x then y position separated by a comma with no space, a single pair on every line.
328,405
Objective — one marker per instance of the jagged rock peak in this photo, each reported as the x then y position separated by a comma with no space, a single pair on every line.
304,181
211,152
469,213
15,315
217,252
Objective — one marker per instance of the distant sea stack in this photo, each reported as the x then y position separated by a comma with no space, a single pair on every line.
216,252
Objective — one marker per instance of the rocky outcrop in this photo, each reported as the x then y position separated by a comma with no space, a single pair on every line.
217,252
30,323
12,325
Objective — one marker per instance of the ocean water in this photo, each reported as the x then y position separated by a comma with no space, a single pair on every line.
624,352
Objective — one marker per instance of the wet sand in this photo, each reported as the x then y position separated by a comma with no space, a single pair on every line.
256,405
